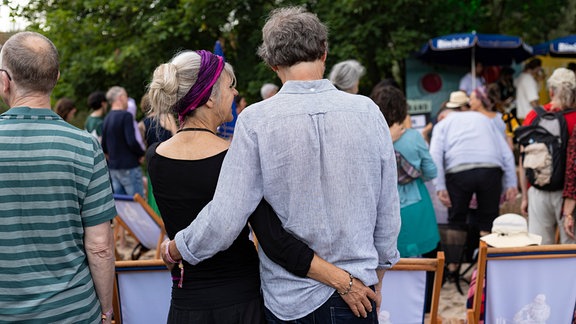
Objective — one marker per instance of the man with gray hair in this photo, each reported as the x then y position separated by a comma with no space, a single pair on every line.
57,264
121,145
311,151
268,90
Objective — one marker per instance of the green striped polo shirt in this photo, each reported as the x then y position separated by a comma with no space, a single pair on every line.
53,183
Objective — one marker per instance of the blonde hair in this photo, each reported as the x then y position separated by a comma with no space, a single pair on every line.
171,81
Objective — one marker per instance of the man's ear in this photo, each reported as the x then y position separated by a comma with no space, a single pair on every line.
5,82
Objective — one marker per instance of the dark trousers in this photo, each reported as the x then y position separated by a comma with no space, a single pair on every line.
250,312
486,183
333,311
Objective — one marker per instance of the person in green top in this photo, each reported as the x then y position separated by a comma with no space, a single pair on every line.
56,204
97,102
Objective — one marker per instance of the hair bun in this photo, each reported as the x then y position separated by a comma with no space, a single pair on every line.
163,88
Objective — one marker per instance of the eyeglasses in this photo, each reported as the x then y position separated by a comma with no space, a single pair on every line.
7,74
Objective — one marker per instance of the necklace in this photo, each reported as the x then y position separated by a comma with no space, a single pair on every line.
192,129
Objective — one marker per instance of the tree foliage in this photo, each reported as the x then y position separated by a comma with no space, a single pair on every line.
120,42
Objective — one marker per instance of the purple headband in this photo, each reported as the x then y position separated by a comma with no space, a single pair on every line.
211,67
481,94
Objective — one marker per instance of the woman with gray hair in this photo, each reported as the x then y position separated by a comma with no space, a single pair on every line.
346,75
544,207
561,85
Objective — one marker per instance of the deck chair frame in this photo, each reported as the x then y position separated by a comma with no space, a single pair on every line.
135,266
518,253
151,213
435,265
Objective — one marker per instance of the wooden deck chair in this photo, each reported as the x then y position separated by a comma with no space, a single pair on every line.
142,292
140,220
533,284
404,287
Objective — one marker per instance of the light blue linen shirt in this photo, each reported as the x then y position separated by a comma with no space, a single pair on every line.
324,160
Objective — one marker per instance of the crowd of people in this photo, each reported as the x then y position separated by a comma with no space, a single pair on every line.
332,183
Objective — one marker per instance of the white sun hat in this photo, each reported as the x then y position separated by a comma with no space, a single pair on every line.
457,99
511,230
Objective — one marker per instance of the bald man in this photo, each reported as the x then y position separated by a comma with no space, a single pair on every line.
57,264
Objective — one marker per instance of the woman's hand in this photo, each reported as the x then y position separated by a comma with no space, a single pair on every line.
165,257
358,299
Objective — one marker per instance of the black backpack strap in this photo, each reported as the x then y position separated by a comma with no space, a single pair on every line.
540,111
568,111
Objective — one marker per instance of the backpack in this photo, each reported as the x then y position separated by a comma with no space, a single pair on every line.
406,171
545,141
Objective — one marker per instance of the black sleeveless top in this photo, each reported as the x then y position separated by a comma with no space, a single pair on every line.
154,132
182,188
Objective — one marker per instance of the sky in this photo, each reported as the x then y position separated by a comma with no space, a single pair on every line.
6,23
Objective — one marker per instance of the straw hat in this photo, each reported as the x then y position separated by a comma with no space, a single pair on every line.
511,230
457,99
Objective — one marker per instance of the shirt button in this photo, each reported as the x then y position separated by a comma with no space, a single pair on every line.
312,89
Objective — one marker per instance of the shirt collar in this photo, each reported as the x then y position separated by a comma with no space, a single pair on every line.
313,86
27,111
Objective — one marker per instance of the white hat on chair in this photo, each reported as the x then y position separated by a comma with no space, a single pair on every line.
511,230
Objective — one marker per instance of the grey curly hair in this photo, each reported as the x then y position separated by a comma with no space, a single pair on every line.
292,35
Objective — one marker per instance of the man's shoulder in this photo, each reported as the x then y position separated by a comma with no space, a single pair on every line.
116,115
521,77
334,101
463,118
529,117
80,134
345,101
466,76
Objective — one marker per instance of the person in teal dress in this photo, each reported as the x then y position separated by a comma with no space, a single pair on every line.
419,235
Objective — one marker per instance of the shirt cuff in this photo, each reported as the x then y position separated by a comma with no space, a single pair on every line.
390,262
440,187
180,240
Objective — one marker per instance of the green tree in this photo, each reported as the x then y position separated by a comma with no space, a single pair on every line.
120,42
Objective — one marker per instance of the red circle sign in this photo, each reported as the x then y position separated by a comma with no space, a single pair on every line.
431,82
